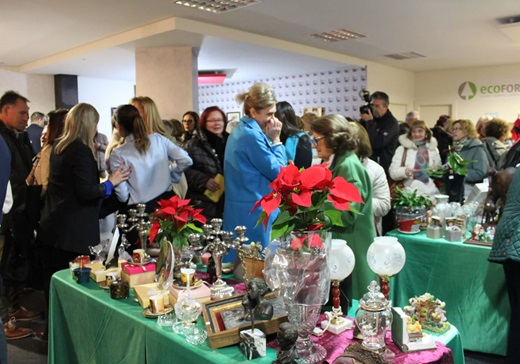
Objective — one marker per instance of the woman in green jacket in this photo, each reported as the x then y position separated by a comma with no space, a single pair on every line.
334,141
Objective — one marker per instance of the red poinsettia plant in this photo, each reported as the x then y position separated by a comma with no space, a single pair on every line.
175,220
308,199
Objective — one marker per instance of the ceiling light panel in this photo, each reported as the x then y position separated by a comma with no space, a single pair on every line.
216,6
403,56
337,35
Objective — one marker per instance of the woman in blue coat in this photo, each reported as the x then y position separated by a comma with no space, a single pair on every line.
253,157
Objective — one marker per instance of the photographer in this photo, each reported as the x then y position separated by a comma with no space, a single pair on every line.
382,128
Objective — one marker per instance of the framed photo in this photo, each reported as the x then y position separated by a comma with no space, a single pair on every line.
224,320
318,111
233,116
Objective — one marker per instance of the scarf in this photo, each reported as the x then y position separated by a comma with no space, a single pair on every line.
422,160
458,145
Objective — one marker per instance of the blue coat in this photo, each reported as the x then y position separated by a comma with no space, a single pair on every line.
250,165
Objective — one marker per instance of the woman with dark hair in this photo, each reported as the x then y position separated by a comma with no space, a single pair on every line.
444,140
297,144
149,157
50,133
335,141
416,155
206,149
190,120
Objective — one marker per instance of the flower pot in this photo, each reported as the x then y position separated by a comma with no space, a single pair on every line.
409,220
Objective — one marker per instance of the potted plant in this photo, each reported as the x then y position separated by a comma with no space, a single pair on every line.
410,208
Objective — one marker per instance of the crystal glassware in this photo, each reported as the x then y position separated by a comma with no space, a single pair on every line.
187,309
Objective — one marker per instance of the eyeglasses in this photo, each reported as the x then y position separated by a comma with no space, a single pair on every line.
214,121
315,141
189,121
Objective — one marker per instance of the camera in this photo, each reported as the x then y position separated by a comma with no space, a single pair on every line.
365,95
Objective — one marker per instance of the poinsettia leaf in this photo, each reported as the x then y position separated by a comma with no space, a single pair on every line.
334,216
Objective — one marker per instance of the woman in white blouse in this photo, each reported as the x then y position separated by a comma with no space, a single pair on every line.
156,162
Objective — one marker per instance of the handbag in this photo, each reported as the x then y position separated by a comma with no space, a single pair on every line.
392,184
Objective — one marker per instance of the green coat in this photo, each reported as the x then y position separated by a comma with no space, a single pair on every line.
506,243
359,230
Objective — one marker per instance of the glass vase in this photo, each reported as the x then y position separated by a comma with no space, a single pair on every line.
298,265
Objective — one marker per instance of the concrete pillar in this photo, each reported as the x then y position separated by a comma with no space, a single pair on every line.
169,76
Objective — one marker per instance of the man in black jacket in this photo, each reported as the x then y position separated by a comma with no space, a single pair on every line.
383,130
17,225
34,131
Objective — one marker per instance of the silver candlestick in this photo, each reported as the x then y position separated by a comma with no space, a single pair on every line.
137,220
218,242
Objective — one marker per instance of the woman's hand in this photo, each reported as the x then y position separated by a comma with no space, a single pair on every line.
273,128
212,185
122,173
408,172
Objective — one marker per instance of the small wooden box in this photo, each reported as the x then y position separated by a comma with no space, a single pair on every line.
218,336
98,271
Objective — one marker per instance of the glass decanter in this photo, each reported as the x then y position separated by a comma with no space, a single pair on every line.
188,309
374,318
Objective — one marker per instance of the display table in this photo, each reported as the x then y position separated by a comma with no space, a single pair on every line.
86,326
460,275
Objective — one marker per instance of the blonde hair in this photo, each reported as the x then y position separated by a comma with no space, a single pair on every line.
363,146
260,96
467,126
80,123
152,119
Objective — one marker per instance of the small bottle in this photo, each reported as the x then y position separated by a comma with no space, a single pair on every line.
119,289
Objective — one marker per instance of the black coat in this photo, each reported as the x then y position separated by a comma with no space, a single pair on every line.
70,216
34,131
206,165
383,133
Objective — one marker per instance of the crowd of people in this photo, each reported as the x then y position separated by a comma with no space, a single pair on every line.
64,176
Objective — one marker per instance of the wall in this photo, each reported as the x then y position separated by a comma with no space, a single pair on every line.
104,95
337,91
37,88
462,89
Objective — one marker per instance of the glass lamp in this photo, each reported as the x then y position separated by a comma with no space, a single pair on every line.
341,262
386,258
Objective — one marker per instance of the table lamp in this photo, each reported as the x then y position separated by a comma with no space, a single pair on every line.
386,258
341,262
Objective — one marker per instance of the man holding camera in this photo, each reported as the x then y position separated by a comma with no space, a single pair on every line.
382,128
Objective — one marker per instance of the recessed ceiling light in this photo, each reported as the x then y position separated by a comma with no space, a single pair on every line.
405,55
216,6
337,35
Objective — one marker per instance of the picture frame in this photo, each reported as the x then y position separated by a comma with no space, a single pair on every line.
318,111
233,116
219,336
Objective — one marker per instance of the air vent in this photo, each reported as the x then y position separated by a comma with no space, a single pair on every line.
403,56
216,6
337,35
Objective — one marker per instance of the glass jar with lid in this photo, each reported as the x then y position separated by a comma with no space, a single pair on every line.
374,318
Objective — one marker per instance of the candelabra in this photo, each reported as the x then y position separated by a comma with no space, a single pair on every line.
218,243
137,220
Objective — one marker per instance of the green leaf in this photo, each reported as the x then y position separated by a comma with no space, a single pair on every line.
334,216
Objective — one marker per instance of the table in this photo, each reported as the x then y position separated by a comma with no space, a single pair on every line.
460,275
86,326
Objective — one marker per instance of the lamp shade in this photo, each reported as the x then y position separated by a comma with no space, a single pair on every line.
341,260
386,256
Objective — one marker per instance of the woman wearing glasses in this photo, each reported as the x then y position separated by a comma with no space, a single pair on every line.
468,146
206,149
254,155
334,139
190,120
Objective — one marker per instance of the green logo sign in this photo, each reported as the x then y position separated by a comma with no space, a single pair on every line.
467,90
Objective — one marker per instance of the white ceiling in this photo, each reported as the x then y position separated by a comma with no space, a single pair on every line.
97,38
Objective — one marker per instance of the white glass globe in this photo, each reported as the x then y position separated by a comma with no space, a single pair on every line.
386,256
341,260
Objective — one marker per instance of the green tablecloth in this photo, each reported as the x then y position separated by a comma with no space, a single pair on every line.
459,274
86,326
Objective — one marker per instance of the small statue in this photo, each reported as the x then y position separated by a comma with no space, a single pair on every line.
286,340
256,307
